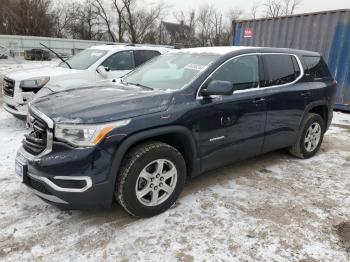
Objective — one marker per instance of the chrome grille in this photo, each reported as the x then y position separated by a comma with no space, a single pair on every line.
36,141
9,87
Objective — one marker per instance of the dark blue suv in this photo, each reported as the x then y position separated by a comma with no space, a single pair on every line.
177,116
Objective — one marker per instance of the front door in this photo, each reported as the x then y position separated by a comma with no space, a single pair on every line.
230,128
119,64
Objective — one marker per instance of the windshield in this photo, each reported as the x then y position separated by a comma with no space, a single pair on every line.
84,59
170,71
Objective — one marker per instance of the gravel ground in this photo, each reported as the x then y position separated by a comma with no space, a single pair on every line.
270,208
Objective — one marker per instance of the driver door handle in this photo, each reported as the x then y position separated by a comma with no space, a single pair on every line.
306,94
258,101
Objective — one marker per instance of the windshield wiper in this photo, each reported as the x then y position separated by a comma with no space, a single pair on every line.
64,61
139,85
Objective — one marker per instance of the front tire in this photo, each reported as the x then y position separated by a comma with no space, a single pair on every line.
310,137
151,178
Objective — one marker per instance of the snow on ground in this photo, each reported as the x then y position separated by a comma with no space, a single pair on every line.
270,208
273,207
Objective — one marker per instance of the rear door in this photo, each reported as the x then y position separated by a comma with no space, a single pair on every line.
286,99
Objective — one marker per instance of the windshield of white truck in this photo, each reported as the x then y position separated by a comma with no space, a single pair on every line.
84,59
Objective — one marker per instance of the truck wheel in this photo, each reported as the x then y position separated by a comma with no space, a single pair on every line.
310,137
151,179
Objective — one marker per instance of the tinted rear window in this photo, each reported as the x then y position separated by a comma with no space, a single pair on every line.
316,67
281,69
142,56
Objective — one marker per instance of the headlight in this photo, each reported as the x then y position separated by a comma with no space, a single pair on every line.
35,83
86,135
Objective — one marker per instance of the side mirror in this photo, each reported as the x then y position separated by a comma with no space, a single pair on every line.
218,88
102,71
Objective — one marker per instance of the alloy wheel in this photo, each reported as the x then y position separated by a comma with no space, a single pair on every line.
156,182
312,137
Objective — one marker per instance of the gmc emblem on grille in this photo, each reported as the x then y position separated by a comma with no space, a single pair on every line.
29,122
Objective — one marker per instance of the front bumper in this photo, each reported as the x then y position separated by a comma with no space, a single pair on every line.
17,104
16,113
75,181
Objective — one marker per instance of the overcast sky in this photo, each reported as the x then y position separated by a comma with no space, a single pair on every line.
306,6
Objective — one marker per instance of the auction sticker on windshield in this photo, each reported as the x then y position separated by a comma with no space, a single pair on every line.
96,54
196,67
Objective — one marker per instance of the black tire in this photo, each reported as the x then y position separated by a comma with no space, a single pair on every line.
299,148
135,161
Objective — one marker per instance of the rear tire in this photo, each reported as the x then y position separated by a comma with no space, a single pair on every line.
310,137
151,178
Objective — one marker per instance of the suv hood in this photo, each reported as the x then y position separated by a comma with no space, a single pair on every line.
50,71
101,104
54,88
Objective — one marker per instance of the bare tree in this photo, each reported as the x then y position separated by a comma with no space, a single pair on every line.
6,17
188,20
120,9
101,11
205,24
254,10
234,14
214,28
62,15
273,8
276,8
26,17
84,22
218,26
141,22
147,21
129,19
290,6
93,19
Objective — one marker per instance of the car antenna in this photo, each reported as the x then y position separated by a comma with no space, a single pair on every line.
64,61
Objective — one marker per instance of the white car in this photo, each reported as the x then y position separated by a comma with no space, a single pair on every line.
91,65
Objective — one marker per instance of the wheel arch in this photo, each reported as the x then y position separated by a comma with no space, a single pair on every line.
321,108
177,136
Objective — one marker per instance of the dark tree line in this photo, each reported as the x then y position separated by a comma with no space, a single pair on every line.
26,17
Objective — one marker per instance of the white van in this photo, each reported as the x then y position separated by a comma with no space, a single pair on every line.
91,65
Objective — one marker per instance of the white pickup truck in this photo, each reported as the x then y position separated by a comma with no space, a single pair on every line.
91,65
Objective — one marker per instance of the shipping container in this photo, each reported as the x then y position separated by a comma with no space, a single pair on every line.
325,32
